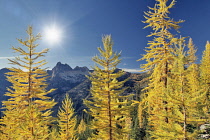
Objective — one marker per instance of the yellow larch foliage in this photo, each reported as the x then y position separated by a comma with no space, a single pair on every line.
159,57
108,107
82,126
67,120
205,67
205,77
27,114
185,98
191,52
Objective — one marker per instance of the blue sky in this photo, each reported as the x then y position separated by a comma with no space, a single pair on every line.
83,22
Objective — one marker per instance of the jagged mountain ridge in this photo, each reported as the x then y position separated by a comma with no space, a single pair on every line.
68,80
64,78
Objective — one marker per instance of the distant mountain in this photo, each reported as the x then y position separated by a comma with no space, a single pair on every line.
3,85
64,78
72,81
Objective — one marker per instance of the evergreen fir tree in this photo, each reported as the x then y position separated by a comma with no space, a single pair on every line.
28,109
108,107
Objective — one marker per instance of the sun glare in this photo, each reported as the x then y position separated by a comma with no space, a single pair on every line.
52,35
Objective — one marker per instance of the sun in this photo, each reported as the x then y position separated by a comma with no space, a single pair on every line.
52,35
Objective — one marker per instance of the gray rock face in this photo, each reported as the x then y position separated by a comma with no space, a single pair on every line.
82,69
205,129
60,68
66,80
62,78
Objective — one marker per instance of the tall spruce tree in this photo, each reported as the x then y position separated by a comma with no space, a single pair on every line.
27,114
108,107
159,58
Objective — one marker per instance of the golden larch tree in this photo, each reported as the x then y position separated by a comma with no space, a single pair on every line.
108,107
159,57
27,114
205,77
185,98
191,57
67,120
82,126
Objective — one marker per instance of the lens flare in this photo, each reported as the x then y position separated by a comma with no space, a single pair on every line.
52,35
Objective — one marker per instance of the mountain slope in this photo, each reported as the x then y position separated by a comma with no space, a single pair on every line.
74,82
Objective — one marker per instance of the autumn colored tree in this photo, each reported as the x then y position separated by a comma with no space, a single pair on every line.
84,132
205,67
108,107
185,97
27,114
67,120
83,128
191,57
205,76
159,58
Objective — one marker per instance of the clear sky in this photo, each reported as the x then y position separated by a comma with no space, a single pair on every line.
83,22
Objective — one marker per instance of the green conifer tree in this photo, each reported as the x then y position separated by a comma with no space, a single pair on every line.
108,107
28,109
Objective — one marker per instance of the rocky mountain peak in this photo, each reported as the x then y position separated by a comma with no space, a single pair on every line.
61,67
63,72
82,69
67,80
